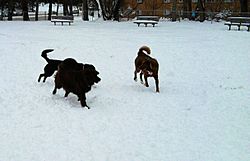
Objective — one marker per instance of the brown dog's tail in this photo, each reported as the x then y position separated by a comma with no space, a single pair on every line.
145,48
44,54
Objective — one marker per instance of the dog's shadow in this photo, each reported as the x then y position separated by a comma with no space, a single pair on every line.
71,100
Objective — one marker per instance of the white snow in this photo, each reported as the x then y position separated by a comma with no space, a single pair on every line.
202,112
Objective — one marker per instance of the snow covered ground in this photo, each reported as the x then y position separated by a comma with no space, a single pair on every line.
202,112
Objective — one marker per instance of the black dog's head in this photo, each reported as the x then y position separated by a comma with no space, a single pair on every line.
92,76
89,66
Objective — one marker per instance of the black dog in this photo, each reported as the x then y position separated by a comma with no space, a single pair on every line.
51,67
76,81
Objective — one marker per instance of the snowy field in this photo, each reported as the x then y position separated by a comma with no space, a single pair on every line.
202,112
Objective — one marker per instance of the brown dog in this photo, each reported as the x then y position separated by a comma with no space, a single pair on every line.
147,66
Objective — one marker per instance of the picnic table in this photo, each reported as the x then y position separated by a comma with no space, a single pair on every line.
153,20
62,19
238,21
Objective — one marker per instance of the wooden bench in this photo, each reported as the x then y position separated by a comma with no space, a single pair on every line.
238,21
153,20
62,19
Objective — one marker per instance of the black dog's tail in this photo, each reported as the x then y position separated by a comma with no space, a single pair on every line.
44,54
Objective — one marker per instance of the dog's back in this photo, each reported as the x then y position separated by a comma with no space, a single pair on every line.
71,64
151,65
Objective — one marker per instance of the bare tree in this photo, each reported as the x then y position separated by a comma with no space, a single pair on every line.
85,10
2,8
24,4
65,7
187,8
10,9
70,7
37,10
201,10
110,9
174,10
50,10
244,7
117,10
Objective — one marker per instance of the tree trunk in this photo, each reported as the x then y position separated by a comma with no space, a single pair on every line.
189,6
1,14
37,10
117,11
50,10
244,7
70,7
185,9
10,10
57,9
174,16
24,4
201,10
85,11
65,7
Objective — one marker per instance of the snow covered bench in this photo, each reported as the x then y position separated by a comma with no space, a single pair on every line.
62,19
238,21
153,20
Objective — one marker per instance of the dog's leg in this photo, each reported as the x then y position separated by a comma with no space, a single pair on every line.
135,75
44,79
56,87
83,100
157,83
54,91
146,80
66,94
141,77
40,76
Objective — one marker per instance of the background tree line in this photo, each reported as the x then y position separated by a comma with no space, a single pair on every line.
109,8
33,5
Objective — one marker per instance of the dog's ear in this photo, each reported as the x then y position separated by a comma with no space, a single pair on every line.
96,72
